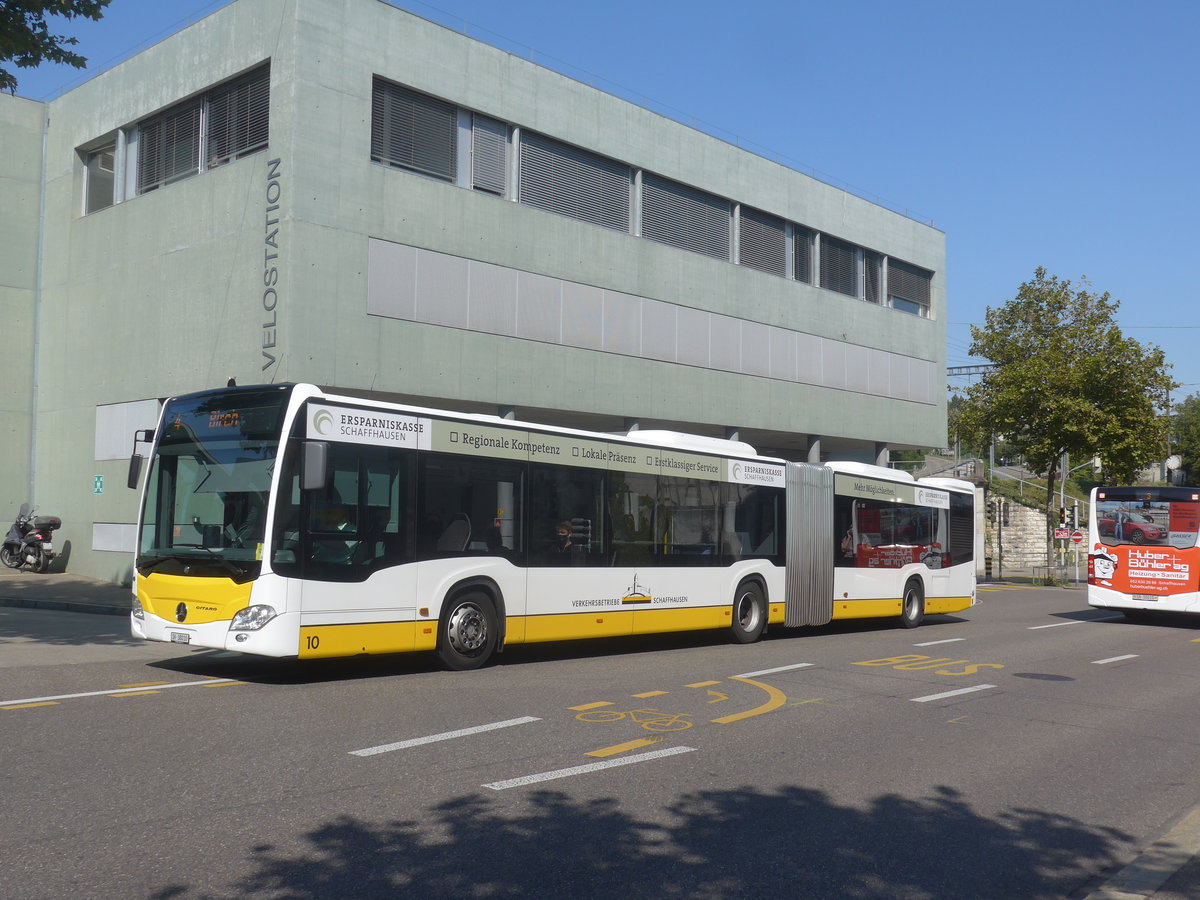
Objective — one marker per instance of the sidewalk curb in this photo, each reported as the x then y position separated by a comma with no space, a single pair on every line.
103,609
1157,864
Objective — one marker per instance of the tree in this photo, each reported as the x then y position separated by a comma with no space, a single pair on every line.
1065,380
25,37
1187,436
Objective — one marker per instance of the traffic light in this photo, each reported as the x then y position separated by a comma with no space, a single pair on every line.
1005,507
1062,515
991,511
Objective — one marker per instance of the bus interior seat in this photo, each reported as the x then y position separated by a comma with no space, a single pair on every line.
457,536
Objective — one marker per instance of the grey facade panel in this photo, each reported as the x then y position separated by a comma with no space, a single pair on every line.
622,324
756,349
392,280
583,316
539,308
693,338
492,299
442,290
725,343
659,331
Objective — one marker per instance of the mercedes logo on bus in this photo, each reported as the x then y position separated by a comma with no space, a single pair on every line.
181,612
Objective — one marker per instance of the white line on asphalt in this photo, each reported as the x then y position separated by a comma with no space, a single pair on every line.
583,770
444,736
1059,624
772,671
970,690
1101,662
143,688
931,643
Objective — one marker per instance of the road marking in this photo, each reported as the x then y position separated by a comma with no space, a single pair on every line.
944,694
932,643
1059,624
122,696
1101,662
700,684
142,684
648,694
777,699
30,705
444,736
624,748
174,684
772,671
583,770
588,706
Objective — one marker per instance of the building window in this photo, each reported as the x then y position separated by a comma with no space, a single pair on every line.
563,179
872,276
238,117
100,174
908,287
762,242
489,155
802,254
839,266
685,217
233,115
413,131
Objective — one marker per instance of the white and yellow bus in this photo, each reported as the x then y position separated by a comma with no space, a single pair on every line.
1142,550
285,521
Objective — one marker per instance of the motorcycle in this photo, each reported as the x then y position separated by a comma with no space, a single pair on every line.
28,542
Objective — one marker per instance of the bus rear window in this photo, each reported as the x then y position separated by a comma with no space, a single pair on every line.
1160,523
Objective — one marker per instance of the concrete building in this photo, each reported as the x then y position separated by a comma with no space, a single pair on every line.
340,192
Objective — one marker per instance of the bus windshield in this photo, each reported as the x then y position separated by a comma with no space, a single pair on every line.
209,480
1146,516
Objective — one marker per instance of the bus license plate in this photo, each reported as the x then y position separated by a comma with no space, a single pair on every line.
180,637
1146,598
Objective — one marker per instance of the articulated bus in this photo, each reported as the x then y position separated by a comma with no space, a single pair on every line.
1142,553
285,521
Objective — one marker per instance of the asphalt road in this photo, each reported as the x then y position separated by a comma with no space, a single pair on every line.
1028,748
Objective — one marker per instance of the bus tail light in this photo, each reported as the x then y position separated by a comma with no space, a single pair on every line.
252,618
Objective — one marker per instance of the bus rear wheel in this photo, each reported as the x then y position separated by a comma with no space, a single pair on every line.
749,613
467,632
912,610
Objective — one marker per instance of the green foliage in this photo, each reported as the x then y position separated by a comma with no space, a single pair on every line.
1187,435
1067,380
25,37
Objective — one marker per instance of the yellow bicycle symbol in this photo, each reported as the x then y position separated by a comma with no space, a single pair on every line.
649,719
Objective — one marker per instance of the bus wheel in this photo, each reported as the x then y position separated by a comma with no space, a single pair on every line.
749,613
467,632
913,610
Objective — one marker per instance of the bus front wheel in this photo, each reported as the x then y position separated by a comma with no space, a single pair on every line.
749,613
467,632
912,611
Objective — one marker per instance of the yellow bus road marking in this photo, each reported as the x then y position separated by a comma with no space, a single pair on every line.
959,721
777,699
141,684
31,705
647,695
588,706
623,748
945,694
700,684
224,683
125,694
163,687
444,736
717,696
585,769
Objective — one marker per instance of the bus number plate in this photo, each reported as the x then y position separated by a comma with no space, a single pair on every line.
180,637
1146,598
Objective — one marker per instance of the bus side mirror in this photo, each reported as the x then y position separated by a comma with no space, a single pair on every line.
315,471
135,470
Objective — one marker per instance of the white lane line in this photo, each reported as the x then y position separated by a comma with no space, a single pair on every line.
772,671
944,694
1101,662
583,770
157,687
444,736
931,643
1059,624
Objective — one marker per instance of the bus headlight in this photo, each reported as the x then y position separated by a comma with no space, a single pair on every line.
136,609
252,618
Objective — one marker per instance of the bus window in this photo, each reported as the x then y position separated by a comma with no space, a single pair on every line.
467,505
566,516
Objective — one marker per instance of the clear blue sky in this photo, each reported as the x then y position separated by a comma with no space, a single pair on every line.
1059,133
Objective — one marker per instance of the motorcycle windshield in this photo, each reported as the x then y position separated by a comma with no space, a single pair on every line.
208,485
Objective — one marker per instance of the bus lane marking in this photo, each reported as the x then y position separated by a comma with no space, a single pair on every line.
112,693
444,736
1113,659
32,705
776,699
586,769
624,748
